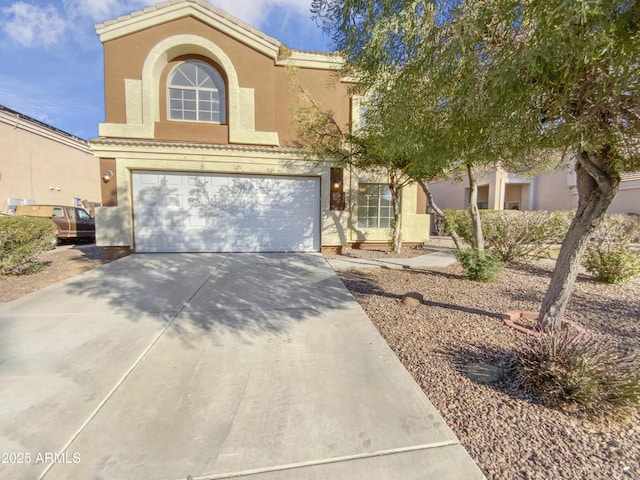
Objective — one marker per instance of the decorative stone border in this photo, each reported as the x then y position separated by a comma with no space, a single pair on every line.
514,319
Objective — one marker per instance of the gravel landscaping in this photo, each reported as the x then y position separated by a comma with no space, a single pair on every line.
507,432
63,262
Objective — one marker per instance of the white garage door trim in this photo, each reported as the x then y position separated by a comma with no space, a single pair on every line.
197,212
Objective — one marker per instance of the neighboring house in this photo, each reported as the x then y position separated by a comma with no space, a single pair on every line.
44,165
199,149
551,190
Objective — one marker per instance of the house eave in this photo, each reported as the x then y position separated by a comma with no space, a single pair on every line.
218,19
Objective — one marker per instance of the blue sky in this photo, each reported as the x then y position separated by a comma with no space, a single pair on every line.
51,58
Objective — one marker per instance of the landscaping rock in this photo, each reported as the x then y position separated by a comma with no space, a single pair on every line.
412,299
506,430
483,372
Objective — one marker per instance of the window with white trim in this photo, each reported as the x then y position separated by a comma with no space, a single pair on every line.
196,92
374,206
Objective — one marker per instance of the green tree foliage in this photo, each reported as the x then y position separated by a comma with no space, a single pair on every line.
368,149
508,81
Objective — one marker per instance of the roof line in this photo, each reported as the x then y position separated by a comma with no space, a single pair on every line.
42,124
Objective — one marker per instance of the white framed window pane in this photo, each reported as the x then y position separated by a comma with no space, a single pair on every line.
189,94
190,71
189,115
205,116
179,79
374,206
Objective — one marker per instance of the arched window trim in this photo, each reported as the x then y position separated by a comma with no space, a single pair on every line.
191,97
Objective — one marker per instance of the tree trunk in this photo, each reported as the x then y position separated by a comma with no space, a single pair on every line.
597,186
478,238
440,214
394,188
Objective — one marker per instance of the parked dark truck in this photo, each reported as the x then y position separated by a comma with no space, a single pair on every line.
73,223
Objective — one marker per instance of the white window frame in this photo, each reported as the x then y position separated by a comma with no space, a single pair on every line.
374,201
219,92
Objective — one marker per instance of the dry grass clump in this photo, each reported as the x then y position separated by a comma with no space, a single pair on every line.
581,373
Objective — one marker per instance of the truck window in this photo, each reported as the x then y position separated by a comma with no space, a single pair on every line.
82,214
58,212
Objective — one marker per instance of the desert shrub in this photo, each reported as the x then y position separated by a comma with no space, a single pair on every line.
22,239
479,266
460,221
579,372
516,234
609,256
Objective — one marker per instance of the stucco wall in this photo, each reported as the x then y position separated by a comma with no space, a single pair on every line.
552,192
415,220
45,165
272,95
628,198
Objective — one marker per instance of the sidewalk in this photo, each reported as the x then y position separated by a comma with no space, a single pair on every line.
441,258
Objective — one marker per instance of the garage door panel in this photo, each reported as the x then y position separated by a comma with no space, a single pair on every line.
180,212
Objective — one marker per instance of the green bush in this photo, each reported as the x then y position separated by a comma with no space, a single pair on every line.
514,234
575,370
609,256
460,221
479,266
22,239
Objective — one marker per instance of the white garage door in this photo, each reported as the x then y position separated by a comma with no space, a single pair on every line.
186,212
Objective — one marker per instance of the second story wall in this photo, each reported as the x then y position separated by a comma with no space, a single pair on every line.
140,56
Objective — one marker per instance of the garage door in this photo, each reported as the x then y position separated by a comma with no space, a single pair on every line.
186,212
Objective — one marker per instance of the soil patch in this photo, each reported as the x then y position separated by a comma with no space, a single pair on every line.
61,263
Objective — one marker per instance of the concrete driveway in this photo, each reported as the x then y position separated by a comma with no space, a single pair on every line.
162,366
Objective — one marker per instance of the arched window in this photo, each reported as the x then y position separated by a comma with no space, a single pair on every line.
196,93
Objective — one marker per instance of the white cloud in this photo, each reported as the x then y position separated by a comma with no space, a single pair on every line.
101,10
33,26
255,12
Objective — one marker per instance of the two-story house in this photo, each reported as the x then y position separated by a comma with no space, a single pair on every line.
200,150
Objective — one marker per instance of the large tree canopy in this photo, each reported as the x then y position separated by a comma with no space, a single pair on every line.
514,82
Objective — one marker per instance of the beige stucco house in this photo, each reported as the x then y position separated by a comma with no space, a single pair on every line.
199,149
550,190
41,164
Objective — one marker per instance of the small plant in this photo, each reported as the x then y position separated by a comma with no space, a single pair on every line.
609,257
22,239
575,370
479,266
